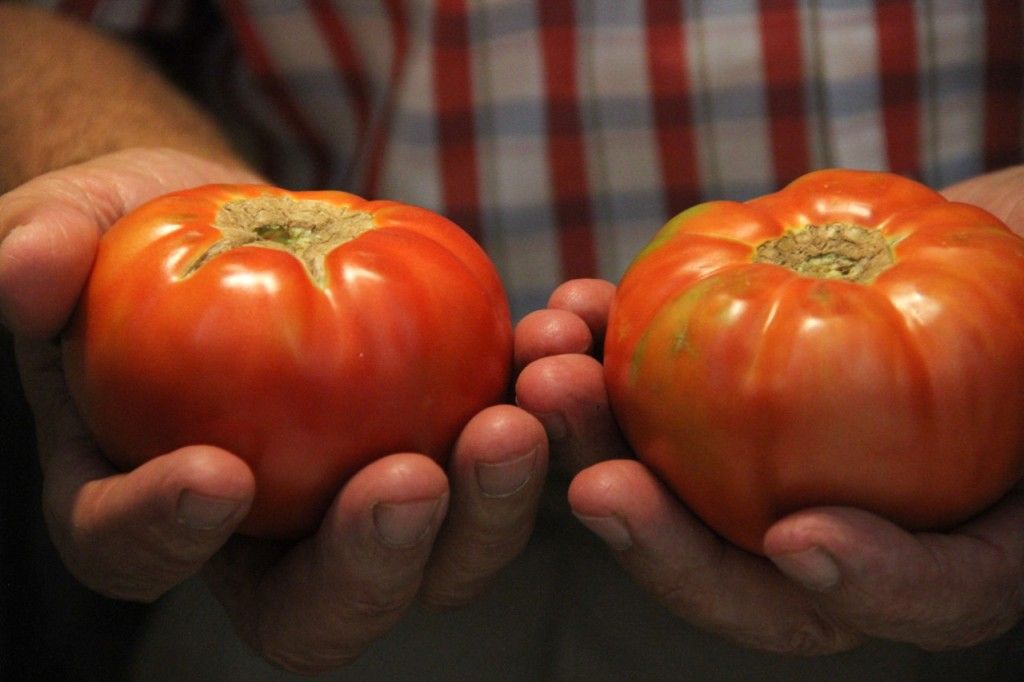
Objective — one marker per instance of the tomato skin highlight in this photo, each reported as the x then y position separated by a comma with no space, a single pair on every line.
407,336
755,391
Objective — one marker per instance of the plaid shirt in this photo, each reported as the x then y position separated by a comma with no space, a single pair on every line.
562,133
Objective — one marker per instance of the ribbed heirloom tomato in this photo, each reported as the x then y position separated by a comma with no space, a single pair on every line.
307,332
853,339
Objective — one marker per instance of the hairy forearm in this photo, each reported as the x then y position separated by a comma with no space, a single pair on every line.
67,95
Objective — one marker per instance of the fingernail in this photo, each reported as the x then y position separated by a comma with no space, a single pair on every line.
404,524
554,425
611,529
504,479
202,512
813,568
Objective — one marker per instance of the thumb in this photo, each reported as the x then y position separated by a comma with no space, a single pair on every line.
49,226
138,534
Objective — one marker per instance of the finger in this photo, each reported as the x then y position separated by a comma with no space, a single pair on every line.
567,394
691,571
127,535
319,605
550,332
49,227
138,534
938,591
497,474
588,299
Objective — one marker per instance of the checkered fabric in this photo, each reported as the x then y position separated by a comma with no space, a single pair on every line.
563,133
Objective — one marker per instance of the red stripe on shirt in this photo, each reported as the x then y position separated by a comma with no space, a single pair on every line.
670,84
565,148
348,66
898,72
255,52
456,129
1004,84
784,89
379,135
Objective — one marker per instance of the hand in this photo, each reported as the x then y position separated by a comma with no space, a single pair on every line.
316,605
833,577
400,529
1000,192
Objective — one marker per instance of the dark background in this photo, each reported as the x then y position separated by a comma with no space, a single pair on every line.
50,626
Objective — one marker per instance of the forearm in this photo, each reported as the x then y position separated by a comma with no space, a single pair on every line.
68,94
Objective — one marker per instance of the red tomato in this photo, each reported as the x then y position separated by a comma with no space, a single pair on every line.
854,339
307,332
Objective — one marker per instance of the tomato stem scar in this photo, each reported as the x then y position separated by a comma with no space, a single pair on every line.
306,228
831,251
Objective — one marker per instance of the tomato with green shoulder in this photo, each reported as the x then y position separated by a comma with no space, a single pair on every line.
853,339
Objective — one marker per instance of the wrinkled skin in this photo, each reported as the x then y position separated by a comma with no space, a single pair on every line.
401,529
833,576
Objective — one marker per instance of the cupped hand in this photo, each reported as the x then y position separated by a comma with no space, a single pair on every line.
401,529
128,535
832,577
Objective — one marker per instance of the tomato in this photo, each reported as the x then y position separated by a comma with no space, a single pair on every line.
853,339
307,332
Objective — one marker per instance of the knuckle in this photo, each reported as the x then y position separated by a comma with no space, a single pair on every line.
484,553
987,616
449,594
107,578
805,632
815,635
453,584
377,603
464,570
305,655
319,651
501,530
306,663
973,612
130,568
